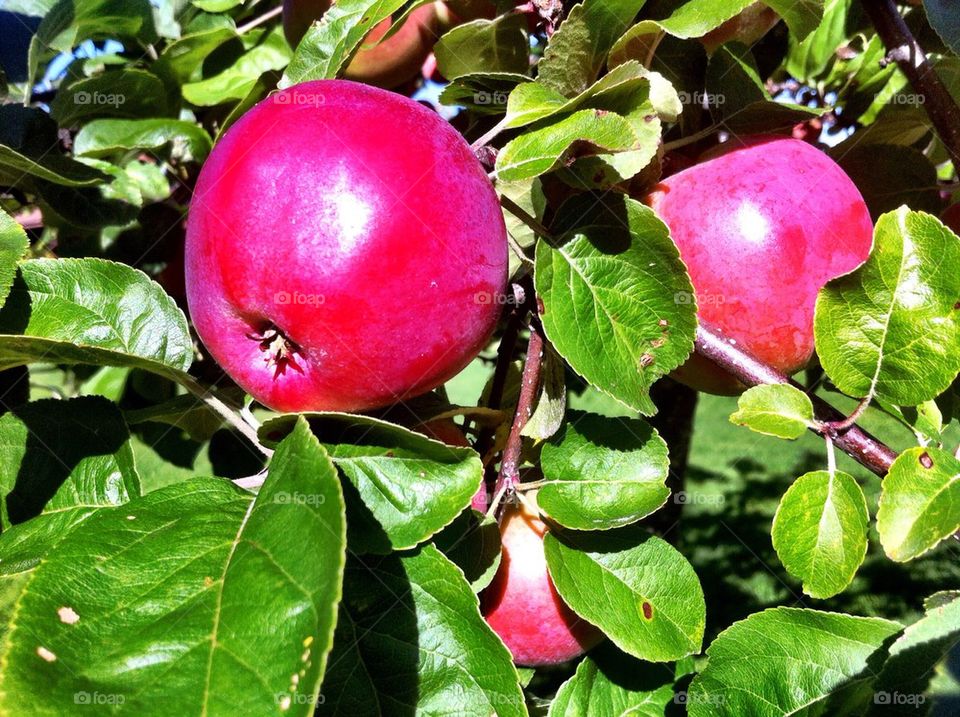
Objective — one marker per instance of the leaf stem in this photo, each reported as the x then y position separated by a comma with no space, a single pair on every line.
488,136
521,214
256,22
231,416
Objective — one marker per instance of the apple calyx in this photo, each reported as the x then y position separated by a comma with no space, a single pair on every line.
280,351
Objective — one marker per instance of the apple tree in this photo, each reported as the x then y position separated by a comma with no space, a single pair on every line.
480,357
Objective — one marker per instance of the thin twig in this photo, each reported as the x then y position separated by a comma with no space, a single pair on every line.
864,448
489,135
529,386
902,48
228,414
841,426
256,22
521,214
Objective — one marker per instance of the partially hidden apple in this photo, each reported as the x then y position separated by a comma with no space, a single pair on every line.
762,226
382,62
345,249
446,431
746,27
522,605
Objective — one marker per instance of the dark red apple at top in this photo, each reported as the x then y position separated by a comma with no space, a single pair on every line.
384,63
344,248
761,228
747,27
523,606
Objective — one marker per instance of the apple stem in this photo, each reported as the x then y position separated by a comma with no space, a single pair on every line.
864,448
529,388
902,48
841,426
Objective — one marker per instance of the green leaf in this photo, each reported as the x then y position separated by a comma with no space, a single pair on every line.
182,60
820,531
485,46
70,22
603,472
609,683
91,311
890,329
483,93
695,18
609,293
809,58
235,82
330,43
13,245
99,138
56,455
635,587
799,662
29,147
227,604
539,151
577,51
919,502
778,409
915,654
403,487
410,640
943,17
118,93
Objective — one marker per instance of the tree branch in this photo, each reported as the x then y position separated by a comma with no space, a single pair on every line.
903,48
864,448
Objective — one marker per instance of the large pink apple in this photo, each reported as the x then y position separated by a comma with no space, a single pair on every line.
382,62
521,604
762,227
345,250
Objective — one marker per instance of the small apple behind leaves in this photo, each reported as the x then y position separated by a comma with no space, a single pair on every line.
446,431
762,225
523,606
385,63
333,265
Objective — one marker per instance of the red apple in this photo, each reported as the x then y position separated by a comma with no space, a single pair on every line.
334,265
747,27
384,64
951,217
522,605
761,228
